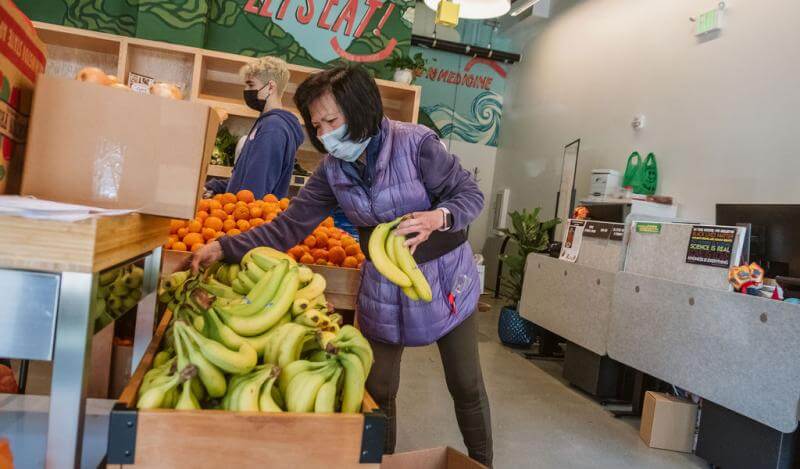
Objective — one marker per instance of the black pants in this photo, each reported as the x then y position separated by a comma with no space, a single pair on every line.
462,369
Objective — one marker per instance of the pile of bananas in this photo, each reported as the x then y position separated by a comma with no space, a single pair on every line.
259,336
393,260
119,290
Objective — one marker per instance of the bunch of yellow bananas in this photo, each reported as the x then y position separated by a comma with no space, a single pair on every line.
390,256
275,346
118,290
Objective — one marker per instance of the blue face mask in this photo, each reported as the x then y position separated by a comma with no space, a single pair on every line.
339,147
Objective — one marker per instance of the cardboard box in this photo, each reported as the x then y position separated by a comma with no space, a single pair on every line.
22,58
106,147
668,422
433,458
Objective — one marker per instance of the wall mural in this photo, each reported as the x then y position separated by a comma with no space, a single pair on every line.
462,97
315,33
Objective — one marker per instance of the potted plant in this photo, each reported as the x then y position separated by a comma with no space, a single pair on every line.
528,235
406,68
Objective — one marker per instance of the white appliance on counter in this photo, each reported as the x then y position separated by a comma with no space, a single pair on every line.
605,182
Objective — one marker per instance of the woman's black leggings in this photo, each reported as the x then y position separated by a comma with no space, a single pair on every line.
462,369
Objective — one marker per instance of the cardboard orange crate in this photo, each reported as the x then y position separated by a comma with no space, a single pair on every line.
167,438
100,146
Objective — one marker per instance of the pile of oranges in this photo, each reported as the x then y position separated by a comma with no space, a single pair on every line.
231,214
329,245
224,214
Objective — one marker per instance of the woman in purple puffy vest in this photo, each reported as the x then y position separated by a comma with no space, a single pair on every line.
376,170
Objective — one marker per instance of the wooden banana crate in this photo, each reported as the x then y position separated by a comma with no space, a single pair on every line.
342,283
166,438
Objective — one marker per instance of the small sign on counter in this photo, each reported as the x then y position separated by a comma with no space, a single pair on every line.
604,230
572,242
711,246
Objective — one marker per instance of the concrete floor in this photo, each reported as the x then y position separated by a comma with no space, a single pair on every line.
538,420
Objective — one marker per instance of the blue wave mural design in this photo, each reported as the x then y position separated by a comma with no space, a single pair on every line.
481,125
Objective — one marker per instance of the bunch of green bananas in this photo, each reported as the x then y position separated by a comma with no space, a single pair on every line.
241,351
119,290
392,258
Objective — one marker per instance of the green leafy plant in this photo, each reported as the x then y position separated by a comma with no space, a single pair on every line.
224,148
416,64
529,235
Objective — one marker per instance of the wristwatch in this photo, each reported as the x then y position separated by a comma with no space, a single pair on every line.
447,219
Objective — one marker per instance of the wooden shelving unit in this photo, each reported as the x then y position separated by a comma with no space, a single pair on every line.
207,77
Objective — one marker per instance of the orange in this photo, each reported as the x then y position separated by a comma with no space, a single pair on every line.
214,223
169,243
270,198
228,208
204,204
245,195
352,249
182,232
228,198
175,225
243,225
209,233
233,232
195,226
256,212
297,252
331,264
347,240
336,255
219,234
197,246
332,243
319,254
307,259
228,225
321,262
322,239
230,217
310,241
241,213
360,257
219,198
350,262
173,238
271,217
305,248
284,203
179,246
193,238
201,215
295,259
328,222
215,205
218,213
254,222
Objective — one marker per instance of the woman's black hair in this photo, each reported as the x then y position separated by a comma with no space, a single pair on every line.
356,93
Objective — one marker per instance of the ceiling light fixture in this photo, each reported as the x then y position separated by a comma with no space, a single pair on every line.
477,9
525,5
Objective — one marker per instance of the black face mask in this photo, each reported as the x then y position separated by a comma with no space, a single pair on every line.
252,100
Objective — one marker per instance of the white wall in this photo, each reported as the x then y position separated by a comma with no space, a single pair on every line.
722,115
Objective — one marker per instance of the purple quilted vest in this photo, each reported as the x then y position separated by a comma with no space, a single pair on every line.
384,312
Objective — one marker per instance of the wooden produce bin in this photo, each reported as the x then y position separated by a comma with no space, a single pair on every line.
218,438
89,245
342,287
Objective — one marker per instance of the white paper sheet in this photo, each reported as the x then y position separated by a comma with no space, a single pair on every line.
29,207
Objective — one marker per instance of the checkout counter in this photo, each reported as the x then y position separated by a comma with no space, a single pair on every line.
639,302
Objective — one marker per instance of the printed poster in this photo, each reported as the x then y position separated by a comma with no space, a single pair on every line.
711,246
572,241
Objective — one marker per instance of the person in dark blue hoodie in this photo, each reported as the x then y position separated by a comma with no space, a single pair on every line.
266,161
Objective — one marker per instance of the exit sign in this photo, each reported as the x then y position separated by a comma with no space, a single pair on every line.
709,21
